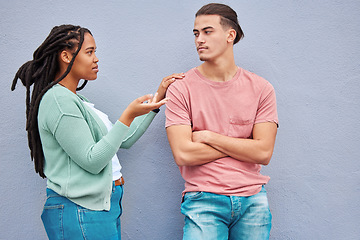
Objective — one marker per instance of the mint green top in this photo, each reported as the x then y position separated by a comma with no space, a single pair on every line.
78,148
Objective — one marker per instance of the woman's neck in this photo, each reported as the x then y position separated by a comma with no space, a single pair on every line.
68,82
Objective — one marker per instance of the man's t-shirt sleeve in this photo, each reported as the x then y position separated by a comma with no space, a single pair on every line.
267,111
177,108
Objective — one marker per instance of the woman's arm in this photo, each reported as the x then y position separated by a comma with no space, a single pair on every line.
76,139
137,129
140,124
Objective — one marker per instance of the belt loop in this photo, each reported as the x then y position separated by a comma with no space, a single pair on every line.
119,182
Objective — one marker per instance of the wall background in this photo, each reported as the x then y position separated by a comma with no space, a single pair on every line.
308,50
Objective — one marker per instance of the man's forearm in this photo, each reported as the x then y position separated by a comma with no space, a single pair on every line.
246,150
193,154
187,152
257,150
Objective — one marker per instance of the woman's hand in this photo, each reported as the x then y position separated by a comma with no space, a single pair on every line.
141,106
165,83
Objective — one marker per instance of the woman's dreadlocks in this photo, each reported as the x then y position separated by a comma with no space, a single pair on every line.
41,72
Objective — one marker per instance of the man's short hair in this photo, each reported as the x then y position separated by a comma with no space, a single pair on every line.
228,17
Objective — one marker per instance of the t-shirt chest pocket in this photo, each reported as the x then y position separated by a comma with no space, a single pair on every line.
240,127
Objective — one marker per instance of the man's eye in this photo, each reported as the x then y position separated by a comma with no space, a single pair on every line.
196,34
207,32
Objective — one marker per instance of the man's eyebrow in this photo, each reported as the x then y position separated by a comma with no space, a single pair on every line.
90,48
204,29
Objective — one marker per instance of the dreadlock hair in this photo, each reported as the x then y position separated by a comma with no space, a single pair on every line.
228,17
41,72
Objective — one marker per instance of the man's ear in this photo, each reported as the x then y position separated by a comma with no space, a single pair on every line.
65,56
231,35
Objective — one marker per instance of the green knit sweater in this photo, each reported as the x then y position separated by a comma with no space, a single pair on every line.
78,148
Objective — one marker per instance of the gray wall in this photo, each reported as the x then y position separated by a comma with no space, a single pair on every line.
308,50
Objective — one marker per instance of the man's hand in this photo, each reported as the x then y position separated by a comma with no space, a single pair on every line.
257,150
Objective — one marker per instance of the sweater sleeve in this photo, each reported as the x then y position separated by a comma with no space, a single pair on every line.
137,129
74,136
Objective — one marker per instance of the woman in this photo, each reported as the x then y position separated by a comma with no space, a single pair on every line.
72,143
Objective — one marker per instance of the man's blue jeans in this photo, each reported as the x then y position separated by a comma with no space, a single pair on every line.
64,219
212,216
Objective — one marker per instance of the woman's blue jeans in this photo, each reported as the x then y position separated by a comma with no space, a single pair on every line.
212,216
64,219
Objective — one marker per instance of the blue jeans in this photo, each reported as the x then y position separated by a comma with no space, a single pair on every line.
212,216
64,219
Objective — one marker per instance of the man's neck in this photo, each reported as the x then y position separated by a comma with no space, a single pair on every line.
218,71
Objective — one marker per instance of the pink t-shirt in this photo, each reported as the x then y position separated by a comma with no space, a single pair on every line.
230,108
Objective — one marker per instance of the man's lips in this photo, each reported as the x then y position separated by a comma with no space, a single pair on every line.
201,48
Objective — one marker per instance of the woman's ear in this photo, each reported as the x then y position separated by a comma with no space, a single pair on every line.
65,56
232,35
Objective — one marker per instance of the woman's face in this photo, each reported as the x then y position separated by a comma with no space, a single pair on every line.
85,65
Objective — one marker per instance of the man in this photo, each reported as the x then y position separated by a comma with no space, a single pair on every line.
221,122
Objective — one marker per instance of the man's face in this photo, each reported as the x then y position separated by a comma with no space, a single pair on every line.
210,37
